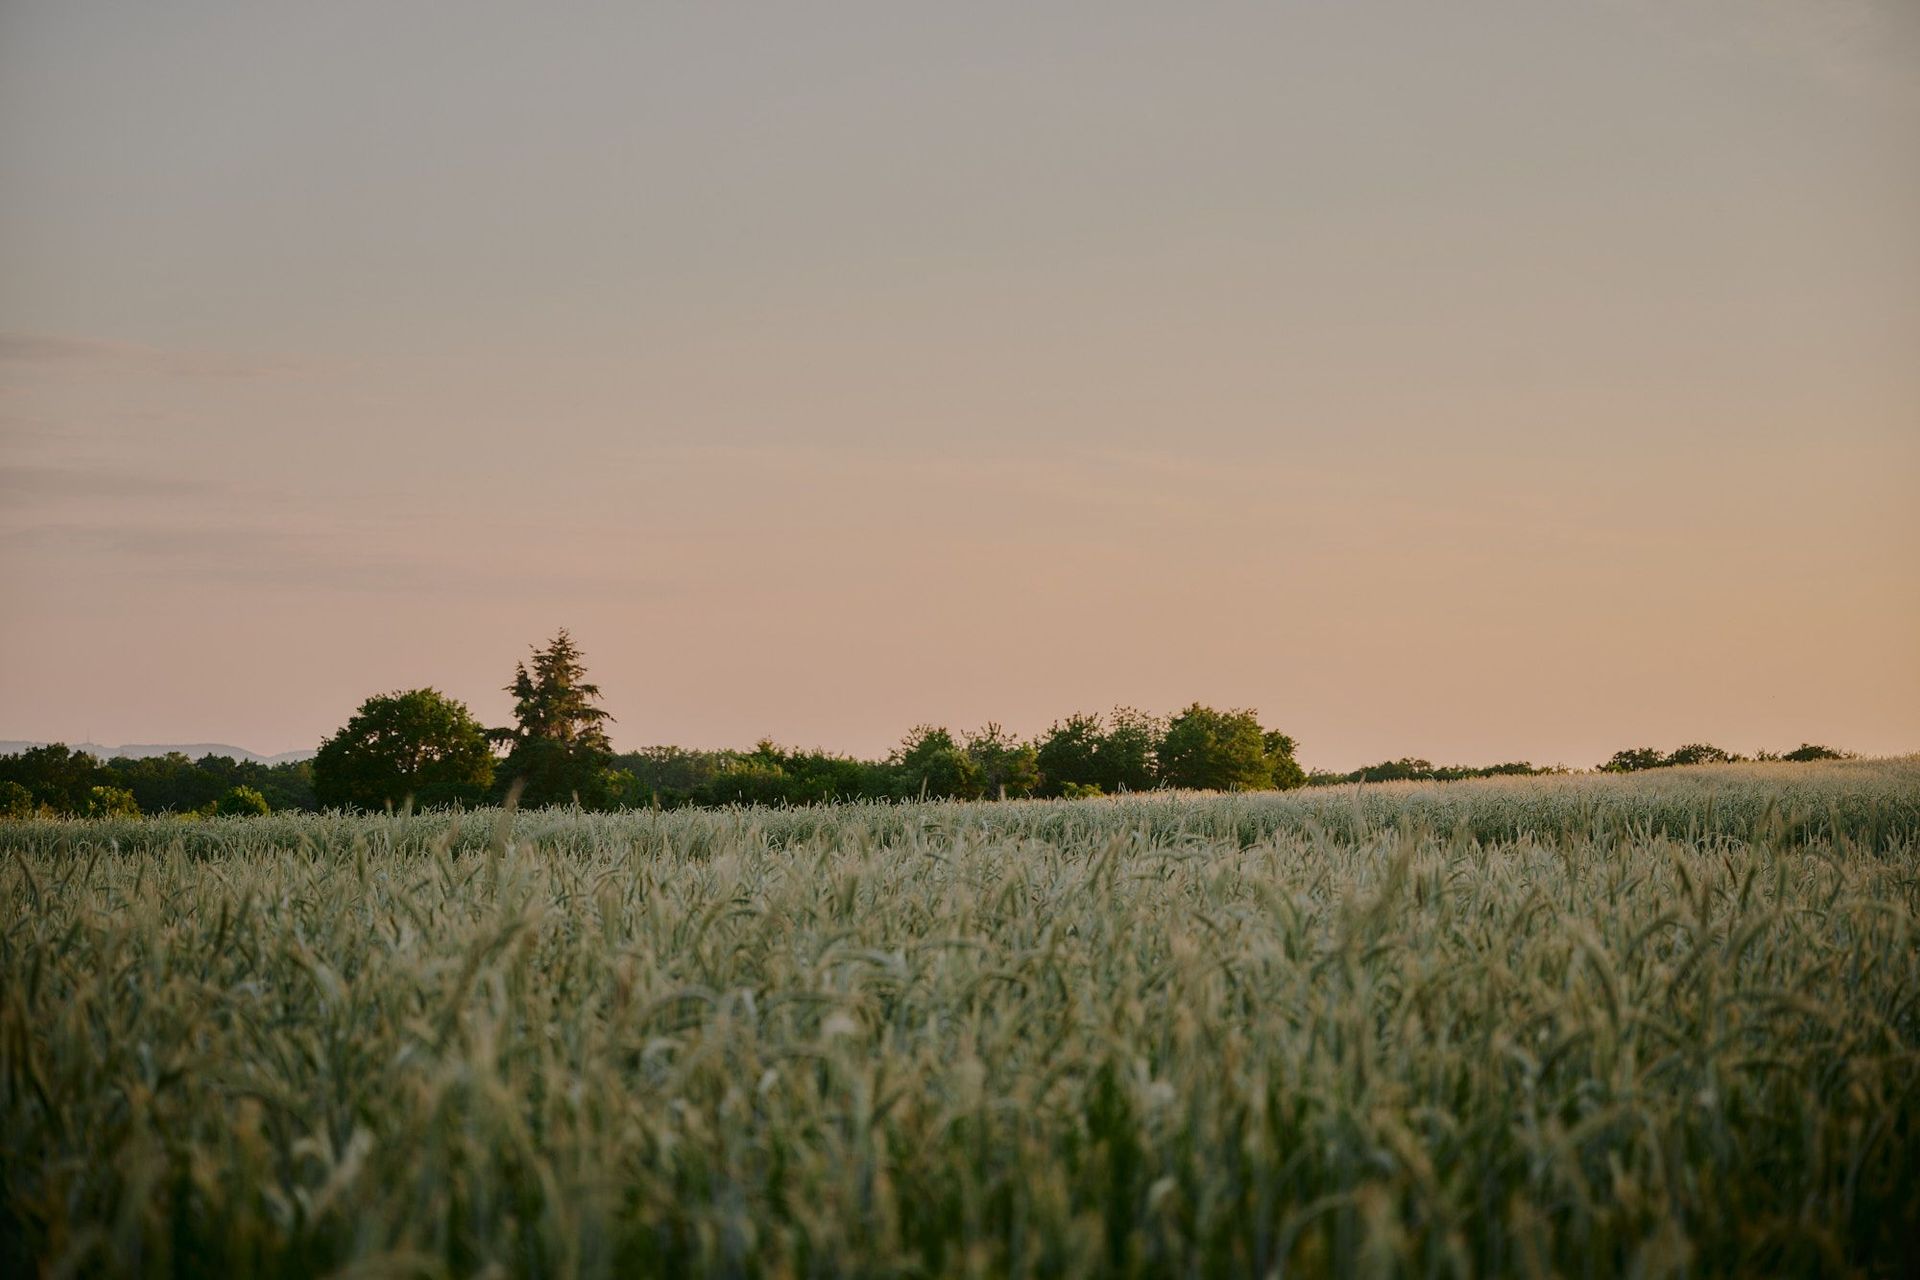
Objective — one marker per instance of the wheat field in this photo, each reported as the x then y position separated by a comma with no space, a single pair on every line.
1585,1026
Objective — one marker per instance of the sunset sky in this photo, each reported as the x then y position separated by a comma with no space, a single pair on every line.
1477,381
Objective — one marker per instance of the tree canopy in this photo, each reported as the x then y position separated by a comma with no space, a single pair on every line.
1211,750
418,746
1009,768
557,749
929,763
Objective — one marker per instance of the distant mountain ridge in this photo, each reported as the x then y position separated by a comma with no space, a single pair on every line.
142,750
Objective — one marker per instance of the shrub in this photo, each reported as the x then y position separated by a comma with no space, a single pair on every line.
111,802
15,800
241,802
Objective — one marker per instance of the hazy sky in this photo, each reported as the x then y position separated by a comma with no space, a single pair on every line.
1469,380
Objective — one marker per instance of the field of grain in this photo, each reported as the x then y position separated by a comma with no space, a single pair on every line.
1667,1024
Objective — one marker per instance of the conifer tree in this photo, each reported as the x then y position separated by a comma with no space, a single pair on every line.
558,750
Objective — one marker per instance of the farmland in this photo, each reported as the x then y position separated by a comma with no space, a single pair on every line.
1667,1023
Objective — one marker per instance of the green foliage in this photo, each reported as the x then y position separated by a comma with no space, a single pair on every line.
1633,760
1209,750
1404,769
1700,753
1067,756
15,800
673,777
1007,769
175,784
1125,757
1112,755
758,777
930,765
1640,758
1082,756
241,802
1573,1026
557,751
111,802
61,781
419,746
1284,770
1411,769
59,778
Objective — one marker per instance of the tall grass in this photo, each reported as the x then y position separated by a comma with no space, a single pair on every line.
1658,1025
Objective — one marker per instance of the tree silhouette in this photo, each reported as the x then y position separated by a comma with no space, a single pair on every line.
929,763
558,749
1213,750
419,745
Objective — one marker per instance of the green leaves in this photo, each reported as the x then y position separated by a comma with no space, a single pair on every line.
558,749
419,747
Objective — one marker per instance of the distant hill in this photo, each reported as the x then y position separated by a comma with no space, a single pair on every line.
141,750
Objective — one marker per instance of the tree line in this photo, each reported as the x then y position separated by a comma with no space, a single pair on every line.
425,747
1636,759
420,747
56,780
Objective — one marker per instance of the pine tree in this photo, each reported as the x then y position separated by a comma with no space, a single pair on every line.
558,750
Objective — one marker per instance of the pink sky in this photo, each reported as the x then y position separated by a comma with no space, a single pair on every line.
1479,382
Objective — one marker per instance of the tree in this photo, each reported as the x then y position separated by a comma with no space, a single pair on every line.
171,783
670,776
15,800
1285,770
1110,754
558,748
1128,751
1633,760
1811,751
59,778
1405,769
419,745
1008,768
929,763
111,802
241,802
1068,756
758,777
1700,753
817,776
1211,750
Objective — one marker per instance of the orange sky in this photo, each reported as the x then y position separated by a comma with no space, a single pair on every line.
1479,381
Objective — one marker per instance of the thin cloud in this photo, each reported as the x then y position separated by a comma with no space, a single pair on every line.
1862,48
23,350
260,557
26,482
43,348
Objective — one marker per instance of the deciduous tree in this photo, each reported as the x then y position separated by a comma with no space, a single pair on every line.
1212,750
1008,768
928,762
419,745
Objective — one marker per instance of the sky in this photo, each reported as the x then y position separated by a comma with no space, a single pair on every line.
1478,381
